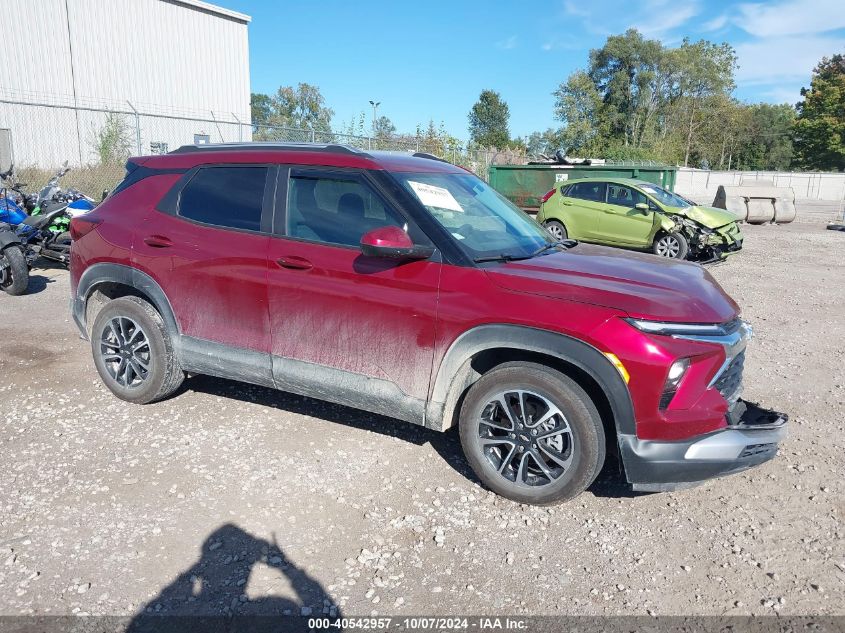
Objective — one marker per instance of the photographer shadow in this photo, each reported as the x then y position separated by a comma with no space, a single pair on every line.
212,594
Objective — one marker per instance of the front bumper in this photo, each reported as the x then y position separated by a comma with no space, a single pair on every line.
751,438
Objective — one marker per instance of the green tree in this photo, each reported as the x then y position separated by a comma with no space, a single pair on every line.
261,108
704,75
579,106
488,121
767,141
820,126
383,128
113,141
302,106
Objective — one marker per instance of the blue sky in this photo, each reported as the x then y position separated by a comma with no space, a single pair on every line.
430,59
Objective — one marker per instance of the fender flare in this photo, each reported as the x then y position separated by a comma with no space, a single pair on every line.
7,238
455,374
105,272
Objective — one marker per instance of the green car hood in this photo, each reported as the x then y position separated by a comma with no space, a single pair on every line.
711,217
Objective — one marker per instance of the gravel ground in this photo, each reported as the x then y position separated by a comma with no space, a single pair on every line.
229,497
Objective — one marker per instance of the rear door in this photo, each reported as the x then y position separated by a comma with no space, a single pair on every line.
356,328
206,246
583,207
624,224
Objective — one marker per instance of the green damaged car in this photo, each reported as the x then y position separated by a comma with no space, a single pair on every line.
639,215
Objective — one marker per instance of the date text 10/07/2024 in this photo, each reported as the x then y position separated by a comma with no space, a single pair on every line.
418,623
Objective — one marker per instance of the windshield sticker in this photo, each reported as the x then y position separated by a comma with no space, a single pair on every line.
458,236
432,196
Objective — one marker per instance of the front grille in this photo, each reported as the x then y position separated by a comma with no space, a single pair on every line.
729,383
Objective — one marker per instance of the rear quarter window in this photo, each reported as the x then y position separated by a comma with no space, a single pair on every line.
228,197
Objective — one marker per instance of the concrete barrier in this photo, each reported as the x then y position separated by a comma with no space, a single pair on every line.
757,202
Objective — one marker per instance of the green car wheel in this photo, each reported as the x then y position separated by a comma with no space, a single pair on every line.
671,245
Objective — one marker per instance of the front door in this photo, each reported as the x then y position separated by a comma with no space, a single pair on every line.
624,224
363,327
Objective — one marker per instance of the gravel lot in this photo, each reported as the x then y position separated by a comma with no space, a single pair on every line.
236,498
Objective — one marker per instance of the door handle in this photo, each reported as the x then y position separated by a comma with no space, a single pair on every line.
158,241
294,263
568,203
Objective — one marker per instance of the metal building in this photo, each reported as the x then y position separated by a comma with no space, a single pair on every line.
83,80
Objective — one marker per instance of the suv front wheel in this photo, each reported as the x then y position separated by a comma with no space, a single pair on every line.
133,352
532,434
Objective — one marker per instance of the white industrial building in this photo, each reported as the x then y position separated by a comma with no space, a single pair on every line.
170,71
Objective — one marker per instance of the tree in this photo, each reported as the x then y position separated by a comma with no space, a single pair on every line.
383,128
820,126
704,74
113,141
261,108
578,105
767,142
302,106
488,121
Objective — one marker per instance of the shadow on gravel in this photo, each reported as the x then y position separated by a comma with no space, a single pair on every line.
211,595
38,283
447,445
610,483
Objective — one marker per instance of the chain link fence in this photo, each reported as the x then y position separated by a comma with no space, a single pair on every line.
97,141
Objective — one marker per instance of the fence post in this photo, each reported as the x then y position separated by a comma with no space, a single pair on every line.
137,128
240,128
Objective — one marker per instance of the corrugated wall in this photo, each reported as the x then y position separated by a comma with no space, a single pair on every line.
162,56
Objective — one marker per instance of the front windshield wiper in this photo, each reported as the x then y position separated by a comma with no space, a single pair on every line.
506,257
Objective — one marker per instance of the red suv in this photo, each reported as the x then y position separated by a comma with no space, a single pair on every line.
406,286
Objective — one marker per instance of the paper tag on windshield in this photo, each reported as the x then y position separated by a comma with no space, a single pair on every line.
432,196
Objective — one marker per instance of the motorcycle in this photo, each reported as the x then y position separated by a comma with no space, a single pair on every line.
45,229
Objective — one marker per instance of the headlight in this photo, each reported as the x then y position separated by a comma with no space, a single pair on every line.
673,380
683,329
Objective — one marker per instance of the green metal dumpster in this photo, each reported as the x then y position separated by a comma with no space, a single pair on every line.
524,185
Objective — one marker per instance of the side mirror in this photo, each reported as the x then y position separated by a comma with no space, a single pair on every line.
641,206
392,242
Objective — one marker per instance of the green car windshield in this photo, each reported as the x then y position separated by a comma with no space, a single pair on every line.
666,198
484,223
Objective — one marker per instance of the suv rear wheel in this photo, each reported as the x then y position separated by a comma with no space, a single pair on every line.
532,434
133,351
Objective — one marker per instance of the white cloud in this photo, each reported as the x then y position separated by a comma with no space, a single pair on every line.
508,43
716,23
781,59
661,17
574,9
791,17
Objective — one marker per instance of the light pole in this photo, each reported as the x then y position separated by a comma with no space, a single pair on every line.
375,105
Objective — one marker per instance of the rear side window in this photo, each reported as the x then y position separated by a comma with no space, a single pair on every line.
593,191
225,196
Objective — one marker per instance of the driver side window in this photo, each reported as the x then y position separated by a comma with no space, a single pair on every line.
335,210
624,196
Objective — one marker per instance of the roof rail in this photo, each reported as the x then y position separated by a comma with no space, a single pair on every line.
268,145
429,156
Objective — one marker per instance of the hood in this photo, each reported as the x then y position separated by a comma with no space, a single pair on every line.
642,285
711,217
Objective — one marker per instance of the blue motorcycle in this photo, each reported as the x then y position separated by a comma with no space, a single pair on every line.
16,258
45,228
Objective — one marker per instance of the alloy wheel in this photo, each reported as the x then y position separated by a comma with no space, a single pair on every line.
556,231
125,351
668,246
526,438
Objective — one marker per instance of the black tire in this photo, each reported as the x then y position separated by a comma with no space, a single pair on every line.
671,246
557,230
485,445
14,279
119,358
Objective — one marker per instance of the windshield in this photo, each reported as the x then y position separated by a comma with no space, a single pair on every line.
483,222
666,198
